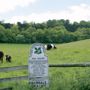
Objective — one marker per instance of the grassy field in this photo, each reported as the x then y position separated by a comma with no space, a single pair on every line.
60,78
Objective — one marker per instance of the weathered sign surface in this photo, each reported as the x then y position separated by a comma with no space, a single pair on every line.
38,66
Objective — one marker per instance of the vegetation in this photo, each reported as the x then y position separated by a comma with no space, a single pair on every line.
60,78
52,31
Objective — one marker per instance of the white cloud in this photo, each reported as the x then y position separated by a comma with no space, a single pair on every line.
8,5
81,12
73,13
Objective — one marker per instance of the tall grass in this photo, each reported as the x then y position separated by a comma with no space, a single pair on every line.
59,78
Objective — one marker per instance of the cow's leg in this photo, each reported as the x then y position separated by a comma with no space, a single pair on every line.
1,60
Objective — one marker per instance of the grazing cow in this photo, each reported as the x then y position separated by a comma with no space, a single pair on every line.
50,46
8,58
1,56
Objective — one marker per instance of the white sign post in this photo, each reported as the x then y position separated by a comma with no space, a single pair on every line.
38,66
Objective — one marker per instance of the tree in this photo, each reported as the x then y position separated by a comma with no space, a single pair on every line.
15,30
10,36
2,34
52,23
83,33
27,35
20,38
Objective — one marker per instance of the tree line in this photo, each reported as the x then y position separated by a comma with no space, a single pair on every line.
52,31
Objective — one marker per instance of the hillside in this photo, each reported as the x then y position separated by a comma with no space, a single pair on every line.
73,52
65,53
60,78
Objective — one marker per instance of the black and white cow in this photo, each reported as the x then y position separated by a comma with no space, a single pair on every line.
1,56
50,46
8,58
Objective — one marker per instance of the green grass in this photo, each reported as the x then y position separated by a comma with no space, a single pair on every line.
60,78
19,53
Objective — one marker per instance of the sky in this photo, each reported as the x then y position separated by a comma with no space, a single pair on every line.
13,11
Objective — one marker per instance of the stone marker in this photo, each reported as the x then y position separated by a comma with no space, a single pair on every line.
38,66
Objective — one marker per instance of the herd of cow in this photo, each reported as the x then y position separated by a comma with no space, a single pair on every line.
8,57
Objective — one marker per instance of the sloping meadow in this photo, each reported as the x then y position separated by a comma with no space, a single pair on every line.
61,78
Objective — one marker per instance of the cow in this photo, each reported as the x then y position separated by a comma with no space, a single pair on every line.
1,56
50,46
8,58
